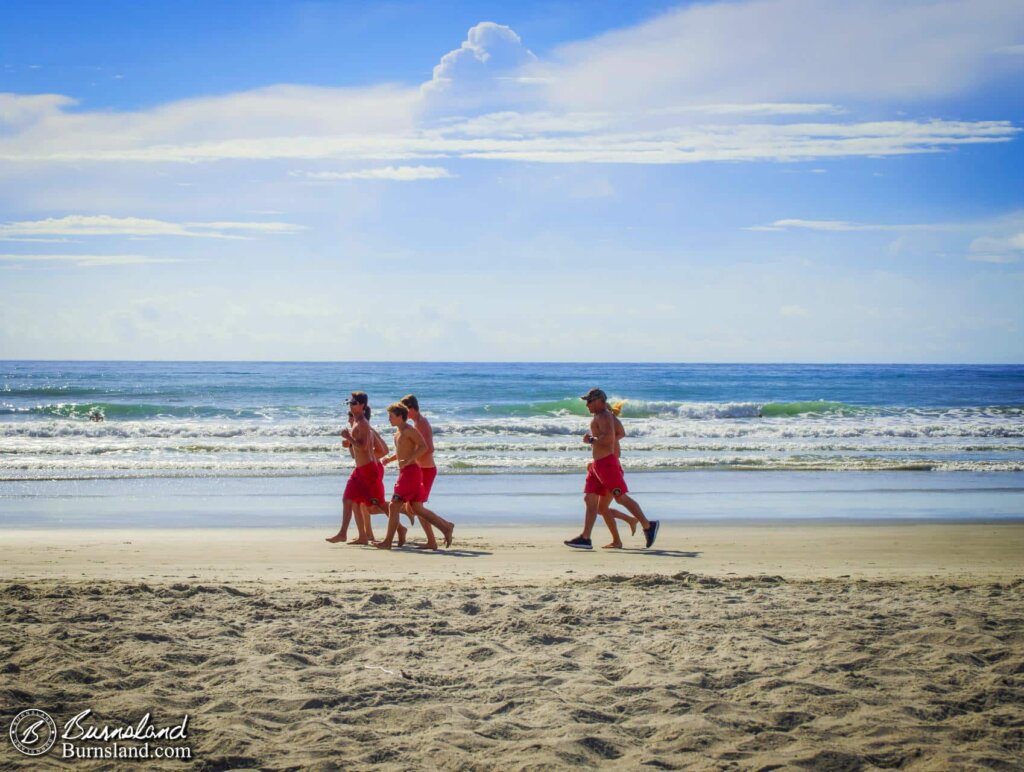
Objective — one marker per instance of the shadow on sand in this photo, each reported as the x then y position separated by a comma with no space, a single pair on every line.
658,553
451,552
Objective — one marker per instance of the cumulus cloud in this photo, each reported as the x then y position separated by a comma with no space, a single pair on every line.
397,173
485,68
105,225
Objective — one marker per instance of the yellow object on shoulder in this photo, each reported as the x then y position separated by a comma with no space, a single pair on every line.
617,407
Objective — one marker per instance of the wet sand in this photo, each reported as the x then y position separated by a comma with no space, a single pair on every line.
810,646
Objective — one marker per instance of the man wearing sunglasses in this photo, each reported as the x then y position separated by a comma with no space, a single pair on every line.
604,474
365,486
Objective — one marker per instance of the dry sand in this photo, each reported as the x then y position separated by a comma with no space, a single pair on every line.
814,646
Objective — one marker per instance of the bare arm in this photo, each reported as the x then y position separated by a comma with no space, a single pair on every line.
380,448
427,431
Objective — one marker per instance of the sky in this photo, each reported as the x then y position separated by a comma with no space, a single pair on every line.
742,181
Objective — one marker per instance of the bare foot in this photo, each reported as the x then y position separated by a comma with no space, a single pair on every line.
402,531
381,545
427,546
632,526
448,536
615,545
339,536
364,540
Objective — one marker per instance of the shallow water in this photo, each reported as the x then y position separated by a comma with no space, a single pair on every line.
507,499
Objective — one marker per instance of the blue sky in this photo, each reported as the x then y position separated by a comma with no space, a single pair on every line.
778,180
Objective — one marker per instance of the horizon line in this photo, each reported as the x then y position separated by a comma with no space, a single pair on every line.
524,362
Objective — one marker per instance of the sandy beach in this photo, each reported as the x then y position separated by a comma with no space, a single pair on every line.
754,647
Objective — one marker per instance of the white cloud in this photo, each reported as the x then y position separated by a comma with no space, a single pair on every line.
89,261
539,143
48,130
22,109
642,95
484,69
846,226
1001,259
1014,242
105,225
789,51
998,249
399,173
737,142
994,240
765,108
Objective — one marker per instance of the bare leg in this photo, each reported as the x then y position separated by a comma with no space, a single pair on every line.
426,516
394,512
631,521
346,517
431,543
625,500
429,531
591,500
609,520
411,513
367,533
376,509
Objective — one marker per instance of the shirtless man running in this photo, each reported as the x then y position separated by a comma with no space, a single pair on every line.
409,447
604,474
426,464
362,483
604,508
380,450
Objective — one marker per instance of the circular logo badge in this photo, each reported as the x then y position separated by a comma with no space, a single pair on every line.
33,732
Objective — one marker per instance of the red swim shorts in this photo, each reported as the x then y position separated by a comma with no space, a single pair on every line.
409,485
378,487
365,485
429,475
605,477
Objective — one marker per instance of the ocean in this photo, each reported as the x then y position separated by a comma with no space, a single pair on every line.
238,419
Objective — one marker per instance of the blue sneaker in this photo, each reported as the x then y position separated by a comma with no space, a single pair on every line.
579,543
651,533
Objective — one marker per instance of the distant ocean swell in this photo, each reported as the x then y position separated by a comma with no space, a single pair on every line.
230,419
631,408
57,440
